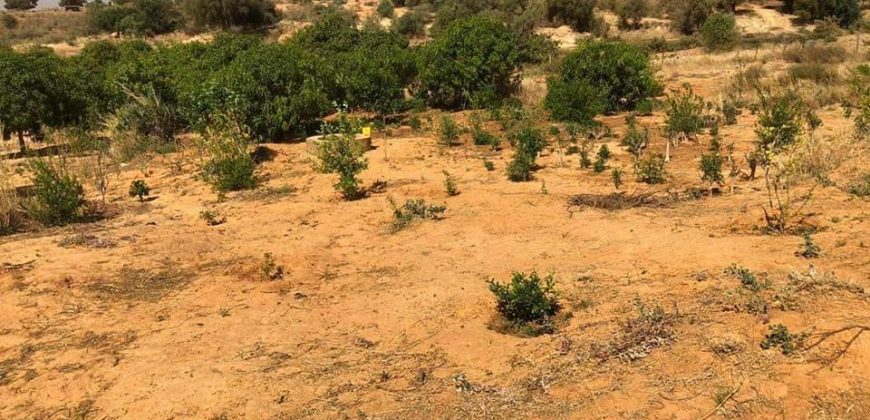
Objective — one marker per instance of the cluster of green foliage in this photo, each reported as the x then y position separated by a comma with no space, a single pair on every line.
711,165
578,14
747,278
448,131
472,63
58,196
527,299
340,153
685,114
780,122
600,76
226,14
135,17
528,142
631,12
20,4
412,24
779,336
687,16
719,32
414,209
845,12
139,189
650,168
635,139
230,167
809,248
601,162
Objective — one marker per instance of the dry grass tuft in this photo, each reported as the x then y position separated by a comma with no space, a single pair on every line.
137,284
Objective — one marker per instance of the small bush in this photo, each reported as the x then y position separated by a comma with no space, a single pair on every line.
212,217
139,189
635,140
528,143
779,121
687,16
747,278
411,24
527,299
229,167
779,336
448,131
711,165
58,196
386,8
861,186
412,210
730,110
616,176
650,169
228,14
270,270
685,114
578,14
450,184
845,12
488,165
631,13
340,153
719,32
809,248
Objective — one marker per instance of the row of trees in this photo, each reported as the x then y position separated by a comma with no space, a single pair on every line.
275,89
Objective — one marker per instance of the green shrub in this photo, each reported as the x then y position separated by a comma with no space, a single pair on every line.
229,166
528,142
809,248
488,165
719,32
527,299
616,177
619,72
779,121
779,336
635,140
227,14
578,14
685,114
340,153
386,8
650,169
601,162
731,109
450,184
412,24
212,217
58,196
747,278
845,12
631,13
137,17
20,4
472,63
139,189
687,16
448,131
413,210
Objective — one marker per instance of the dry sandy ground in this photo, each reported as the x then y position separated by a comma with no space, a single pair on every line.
153,314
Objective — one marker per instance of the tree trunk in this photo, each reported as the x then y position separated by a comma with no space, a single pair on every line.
21,144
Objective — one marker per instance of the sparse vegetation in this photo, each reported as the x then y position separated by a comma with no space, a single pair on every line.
450,184
719,32
809,249
340,153
528,142
212,217
413,210
779,336
58,196
650,169
229,166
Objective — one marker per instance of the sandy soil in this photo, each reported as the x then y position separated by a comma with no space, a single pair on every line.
154,314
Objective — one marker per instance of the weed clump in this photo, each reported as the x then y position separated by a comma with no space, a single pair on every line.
527,303
212,217
340,153
747,278
809,248
779,336
412,210
651,328
270,270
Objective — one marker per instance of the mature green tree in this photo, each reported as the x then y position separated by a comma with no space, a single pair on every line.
136,17
36,90
20,4
846,12
472,63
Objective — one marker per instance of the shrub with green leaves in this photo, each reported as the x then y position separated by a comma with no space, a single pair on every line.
600,76
412,210
779,336
845,12
685,114
635,140
527,299
719,32
139,189
412,24
711,166
137,17
687,16
229,165
578,14
448,131
58,197
809,249
229,14
471,63
340,153
386,8
650,169
528,142
631,13
450,184
780,121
